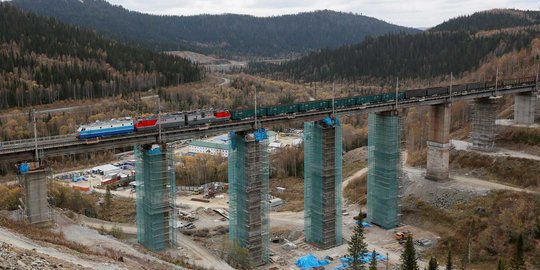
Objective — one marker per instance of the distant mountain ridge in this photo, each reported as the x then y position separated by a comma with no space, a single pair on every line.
223,34
452,46
43,60
490,20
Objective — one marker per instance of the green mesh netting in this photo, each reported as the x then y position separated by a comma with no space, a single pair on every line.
248,195
383,169
155,192
322,184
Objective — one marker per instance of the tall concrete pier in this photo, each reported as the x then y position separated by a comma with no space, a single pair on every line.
322,183
384,169
484,132
35,206
438,144
248,194
525,108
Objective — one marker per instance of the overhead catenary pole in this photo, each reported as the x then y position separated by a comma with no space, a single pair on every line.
397,88
496,81
333,100
159,119
537,68
450,89
35,134
255,97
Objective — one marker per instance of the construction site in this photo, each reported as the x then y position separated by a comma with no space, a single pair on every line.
240,224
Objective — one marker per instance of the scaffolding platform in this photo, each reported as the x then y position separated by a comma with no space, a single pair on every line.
249,194
322,183
384,169
156,193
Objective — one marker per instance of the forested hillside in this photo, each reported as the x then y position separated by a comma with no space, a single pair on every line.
489,20
43,60
227,34
423,55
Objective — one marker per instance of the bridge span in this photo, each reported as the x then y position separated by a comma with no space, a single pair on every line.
68,144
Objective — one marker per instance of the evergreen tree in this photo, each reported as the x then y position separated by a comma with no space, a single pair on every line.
433,265
518,261
107,203
357,246
449,260
500,265
408,257
373,263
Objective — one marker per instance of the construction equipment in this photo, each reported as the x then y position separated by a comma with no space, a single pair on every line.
402,236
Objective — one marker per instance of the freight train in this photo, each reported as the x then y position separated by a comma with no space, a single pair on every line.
205,117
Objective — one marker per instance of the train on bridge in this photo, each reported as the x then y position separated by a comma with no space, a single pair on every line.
205,117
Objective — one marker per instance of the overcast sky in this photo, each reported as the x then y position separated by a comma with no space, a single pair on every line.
414,13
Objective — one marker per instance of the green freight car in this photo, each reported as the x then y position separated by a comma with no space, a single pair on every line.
344,102
314,105
281,109
249,113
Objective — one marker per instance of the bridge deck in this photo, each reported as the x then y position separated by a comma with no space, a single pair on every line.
11,151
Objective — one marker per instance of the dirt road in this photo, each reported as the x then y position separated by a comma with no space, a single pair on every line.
354,175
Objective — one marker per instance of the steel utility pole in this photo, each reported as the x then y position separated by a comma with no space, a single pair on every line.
397,88
451,82
35,134
256,125
159,118
333,100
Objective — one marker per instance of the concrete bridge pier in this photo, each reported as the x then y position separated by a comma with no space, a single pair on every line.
384,169
248,163
525,108
34,205
484,132
438,144
322,183
156,193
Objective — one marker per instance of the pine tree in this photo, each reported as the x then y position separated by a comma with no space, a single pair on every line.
357,246
373,263
449,261
107,203
433,265
518,262
408,257
500,265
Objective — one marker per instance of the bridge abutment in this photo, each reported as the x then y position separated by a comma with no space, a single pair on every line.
484,132
525,108
384,169
156,193
248,163
438,144
322,183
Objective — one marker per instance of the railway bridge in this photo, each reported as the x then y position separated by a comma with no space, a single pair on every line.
249,164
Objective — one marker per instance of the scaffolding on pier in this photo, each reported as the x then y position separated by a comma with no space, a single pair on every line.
322,183
384,169
156,192
249,194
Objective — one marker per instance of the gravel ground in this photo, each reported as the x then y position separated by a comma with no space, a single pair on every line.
12,258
